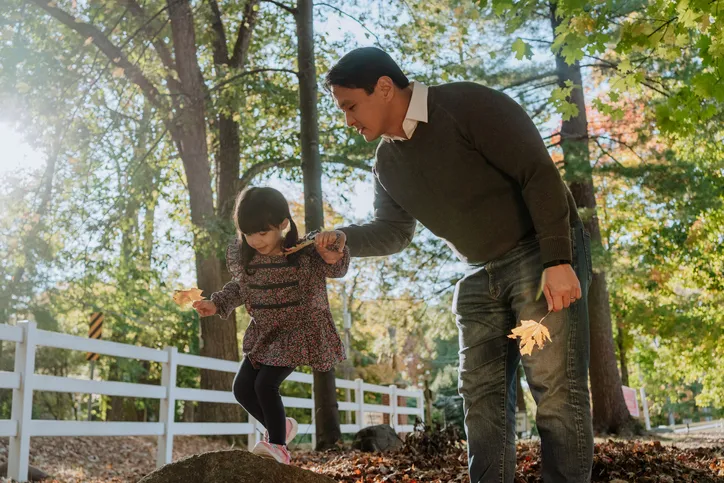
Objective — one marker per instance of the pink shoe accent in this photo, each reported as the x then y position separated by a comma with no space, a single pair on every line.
277,452
292,430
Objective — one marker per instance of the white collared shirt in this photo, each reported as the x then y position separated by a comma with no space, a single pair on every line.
416,112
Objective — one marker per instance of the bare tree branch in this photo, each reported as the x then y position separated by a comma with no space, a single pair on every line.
131,71
547,42
551,136
538,86
539,110
627,146
606,153
246,73
289,9
361,165
532,78
322,4
151,29
258,168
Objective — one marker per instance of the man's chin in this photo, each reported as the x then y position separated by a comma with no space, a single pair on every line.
369,136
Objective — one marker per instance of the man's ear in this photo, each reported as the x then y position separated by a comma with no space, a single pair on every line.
386,88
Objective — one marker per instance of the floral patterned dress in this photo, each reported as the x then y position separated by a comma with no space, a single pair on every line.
291,323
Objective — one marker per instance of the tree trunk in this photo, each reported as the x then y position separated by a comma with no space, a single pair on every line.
621,342
227,157
325,390
218,337
610,414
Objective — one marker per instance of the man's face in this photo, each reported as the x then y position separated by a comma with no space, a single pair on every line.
368,113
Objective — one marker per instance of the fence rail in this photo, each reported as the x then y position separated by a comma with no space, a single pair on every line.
23,381
700,426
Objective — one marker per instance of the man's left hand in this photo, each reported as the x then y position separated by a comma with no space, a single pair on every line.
560,286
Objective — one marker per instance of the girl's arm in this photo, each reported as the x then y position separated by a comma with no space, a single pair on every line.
333,270
228,298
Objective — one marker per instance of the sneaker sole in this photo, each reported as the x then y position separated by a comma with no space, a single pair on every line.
263,453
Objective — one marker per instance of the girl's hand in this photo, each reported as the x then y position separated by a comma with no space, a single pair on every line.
330,245
205,308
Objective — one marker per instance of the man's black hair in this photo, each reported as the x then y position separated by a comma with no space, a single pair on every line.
362,68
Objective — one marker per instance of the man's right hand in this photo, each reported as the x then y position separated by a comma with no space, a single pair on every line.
205,308
326,239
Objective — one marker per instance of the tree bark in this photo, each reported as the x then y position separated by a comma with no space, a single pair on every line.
227,162
610,414
218,337
325,390
228,154
621,342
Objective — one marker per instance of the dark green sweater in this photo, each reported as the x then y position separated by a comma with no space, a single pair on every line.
477,175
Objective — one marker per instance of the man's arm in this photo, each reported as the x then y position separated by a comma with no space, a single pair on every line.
389,232
506,136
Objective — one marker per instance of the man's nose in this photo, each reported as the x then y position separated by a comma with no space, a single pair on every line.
349,120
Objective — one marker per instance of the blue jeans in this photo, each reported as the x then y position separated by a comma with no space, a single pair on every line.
489,301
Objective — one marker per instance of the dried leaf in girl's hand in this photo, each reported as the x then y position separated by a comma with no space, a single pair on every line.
531,333
186,297
298,246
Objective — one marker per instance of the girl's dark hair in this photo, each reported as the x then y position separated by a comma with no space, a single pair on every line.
259,209
362,68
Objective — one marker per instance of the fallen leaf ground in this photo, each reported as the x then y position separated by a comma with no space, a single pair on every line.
425,458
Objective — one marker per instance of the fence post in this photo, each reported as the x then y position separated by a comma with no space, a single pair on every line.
645,405
360,400
421,408
252,439
167,412
394,422
22,410
314,421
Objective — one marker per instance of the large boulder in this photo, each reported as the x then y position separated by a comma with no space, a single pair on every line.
232,466
377,438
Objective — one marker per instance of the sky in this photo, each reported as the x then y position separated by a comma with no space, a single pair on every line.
15,153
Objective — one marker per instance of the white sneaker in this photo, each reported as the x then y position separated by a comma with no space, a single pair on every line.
277,452
292,430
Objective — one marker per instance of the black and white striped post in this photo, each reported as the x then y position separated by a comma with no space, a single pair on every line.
95,331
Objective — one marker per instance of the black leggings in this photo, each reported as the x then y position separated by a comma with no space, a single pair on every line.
257,390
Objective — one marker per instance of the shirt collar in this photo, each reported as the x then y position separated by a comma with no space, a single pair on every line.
416,111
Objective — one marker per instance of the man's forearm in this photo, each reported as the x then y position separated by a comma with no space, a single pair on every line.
379,238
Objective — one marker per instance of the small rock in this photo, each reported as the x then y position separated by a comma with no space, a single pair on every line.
34,474
380,437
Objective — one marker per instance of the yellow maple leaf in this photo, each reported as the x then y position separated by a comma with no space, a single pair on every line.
531,334
185,298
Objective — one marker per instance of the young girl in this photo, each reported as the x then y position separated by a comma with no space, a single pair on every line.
286,296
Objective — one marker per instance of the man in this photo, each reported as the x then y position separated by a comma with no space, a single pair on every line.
470,165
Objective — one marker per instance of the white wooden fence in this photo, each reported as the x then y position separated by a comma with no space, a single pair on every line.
23,381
